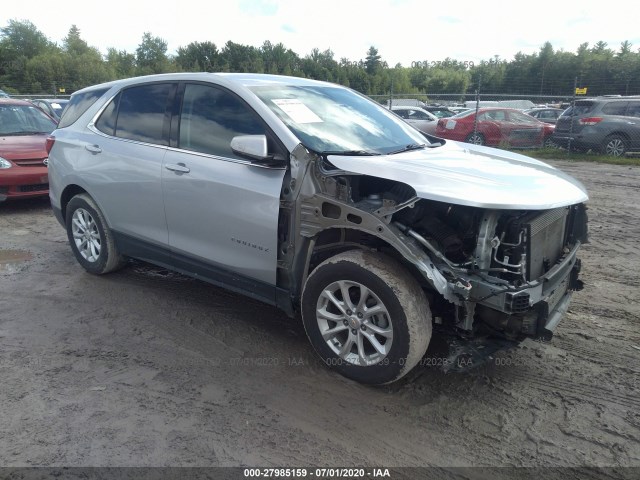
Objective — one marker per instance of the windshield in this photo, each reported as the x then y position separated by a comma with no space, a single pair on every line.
580,108
336,120
464,113
442,113
24,120
58,107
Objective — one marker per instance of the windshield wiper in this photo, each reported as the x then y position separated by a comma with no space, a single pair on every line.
407,148
349,153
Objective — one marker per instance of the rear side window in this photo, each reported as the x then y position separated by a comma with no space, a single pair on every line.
107,121
634,109
547,114
418,115
79,103
615,108
142,112
580,108
211,117
493,115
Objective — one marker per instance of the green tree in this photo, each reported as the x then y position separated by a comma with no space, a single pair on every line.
45,73
120,63
20,42
151,55
277,59
83,64
372,60
23,39
320,65
73,44
236,57
198,57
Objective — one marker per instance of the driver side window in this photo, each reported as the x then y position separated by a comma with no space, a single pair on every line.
211,117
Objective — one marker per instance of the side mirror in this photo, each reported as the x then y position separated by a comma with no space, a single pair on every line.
250,146
254,147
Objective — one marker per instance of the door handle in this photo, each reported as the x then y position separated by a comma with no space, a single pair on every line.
177,167
93,148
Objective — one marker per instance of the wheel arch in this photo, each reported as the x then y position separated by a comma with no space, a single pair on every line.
334,240
68,193
618,133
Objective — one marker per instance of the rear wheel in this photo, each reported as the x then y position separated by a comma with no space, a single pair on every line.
366,316
90,238
614,145
476,138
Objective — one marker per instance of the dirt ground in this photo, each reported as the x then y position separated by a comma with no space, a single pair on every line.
144,367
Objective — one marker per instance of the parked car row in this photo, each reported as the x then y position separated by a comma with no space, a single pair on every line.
496,126
609,125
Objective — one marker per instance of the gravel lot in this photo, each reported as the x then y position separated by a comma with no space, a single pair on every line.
148,368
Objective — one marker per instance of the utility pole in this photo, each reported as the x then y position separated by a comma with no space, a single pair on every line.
475,119
573,111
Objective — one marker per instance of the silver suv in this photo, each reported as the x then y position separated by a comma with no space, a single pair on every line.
309,196
609,125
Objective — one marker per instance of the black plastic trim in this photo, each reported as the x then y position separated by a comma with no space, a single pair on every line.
163,257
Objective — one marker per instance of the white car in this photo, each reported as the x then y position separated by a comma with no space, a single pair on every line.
417,117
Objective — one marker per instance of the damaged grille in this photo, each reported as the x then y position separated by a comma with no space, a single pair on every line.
531,244
547,233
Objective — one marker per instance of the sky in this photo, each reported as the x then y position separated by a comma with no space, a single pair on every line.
403,31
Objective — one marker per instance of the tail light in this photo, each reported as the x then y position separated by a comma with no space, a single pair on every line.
49,143
590,120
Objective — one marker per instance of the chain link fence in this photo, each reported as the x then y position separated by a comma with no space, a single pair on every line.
607,125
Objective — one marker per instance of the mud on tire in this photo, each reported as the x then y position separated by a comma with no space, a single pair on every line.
366,316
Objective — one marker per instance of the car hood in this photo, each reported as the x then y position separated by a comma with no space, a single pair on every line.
472,175
23,147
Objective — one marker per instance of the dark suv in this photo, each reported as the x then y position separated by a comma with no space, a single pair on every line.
610,125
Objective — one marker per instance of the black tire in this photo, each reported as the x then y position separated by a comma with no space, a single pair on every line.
615,146
476,139
389,288
549,143
93,243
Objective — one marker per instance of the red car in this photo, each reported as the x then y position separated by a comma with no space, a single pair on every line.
24,129
504,127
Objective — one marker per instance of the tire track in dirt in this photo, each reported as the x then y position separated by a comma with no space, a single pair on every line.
575,389
618,360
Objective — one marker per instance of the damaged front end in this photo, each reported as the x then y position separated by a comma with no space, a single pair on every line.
518,267
505,273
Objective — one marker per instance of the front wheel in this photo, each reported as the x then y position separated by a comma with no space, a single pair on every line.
549,143
90,238
366,316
